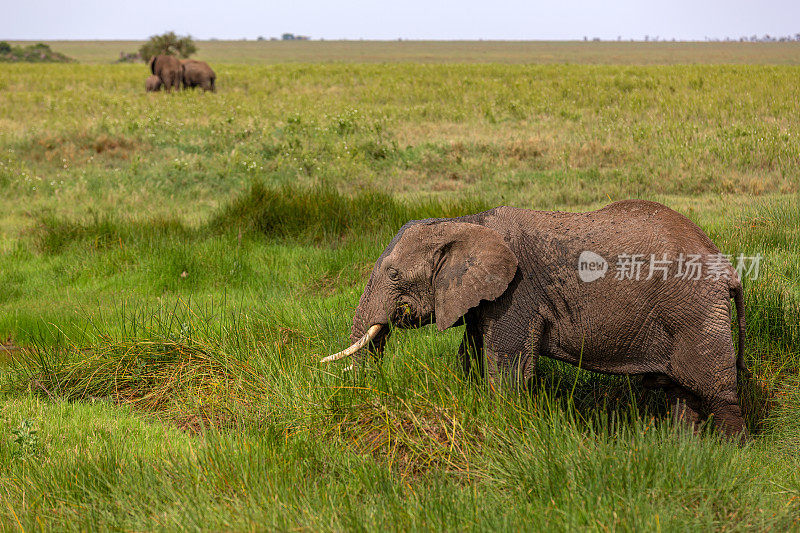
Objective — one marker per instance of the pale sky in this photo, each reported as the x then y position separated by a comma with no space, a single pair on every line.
407,19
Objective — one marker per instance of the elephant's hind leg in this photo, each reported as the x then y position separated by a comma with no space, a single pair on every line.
724,405
705,365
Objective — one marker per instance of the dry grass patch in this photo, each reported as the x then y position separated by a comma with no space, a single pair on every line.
81,148
411,436
528,150
596,154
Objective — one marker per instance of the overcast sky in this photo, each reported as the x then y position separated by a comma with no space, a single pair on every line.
407,19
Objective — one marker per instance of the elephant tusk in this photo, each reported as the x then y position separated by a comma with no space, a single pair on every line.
360,343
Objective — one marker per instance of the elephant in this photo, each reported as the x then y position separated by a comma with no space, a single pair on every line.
152,83
537,283
198,74
168,69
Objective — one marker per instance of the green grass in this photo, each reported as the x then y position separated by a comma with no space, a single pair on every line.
173,267
287,444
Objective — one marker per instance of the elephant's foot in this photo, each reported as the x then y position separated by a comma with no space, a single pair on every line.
728,417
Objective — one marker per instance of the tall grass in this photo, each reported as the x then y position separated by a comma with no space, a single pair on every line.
299,214
53,233
323,214
409,445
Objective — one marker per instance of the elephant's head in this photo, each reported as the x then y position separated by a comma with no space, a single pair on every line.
432,271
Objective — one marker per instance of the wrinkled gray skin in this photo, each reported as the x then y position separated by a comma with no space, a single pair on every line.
168,69
198,74
511,275
152,84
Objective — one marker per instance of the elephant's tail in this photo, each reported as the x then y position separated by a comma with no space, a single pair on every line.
736,294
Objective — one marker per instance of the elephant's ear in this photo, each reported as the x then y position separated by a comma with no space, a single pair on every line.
152,64
472,264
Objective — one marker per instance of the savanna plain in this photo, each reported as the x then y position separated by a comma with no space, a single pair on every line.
173,267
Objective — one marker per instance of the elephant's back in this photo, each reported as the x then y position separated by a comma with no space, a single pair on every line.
642,225
198,68
655,224
165,62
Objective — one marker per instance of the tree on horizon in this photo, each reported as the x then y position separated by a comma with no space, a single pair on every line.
168,44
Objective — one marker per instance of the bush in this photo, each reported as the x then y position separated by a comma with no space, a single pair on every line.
35,53
168,44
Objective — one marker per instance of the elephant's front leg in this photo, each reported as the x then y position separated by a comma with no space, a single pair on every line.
511,349
470,353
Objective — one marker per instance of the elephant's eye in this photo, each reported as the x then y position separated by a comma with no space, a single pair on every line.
393,274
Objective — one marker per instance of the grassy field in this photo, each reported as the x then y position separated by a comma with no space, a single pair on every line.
603,53
172,266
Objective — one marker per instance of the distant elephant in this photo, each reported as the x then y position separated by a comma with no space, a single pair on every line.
532,283
168,69
152,84
198,74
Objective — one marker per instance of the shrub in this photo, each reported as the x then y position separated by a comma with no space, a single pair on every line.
168,44
35,53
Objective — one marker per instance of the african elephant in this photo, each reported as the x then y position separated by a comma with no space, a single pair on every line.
152,83
532,283
198,74
168,69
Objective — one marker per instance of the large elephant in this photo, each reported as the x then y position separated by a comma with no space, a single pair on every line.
530,283
168,69
152,84
198,74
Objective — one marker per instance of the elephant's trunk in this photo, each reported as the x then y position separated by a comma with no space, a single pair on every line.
370,327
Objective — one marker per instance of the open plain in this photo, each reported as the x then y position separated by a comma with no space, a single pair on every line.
172,267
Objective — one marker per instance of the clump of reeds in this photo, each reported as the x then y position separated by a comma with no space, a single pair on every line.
190,383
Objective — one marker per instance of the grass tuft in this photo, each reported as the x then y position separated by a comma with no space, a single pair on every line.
189,384
321,213
312,214
53,233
